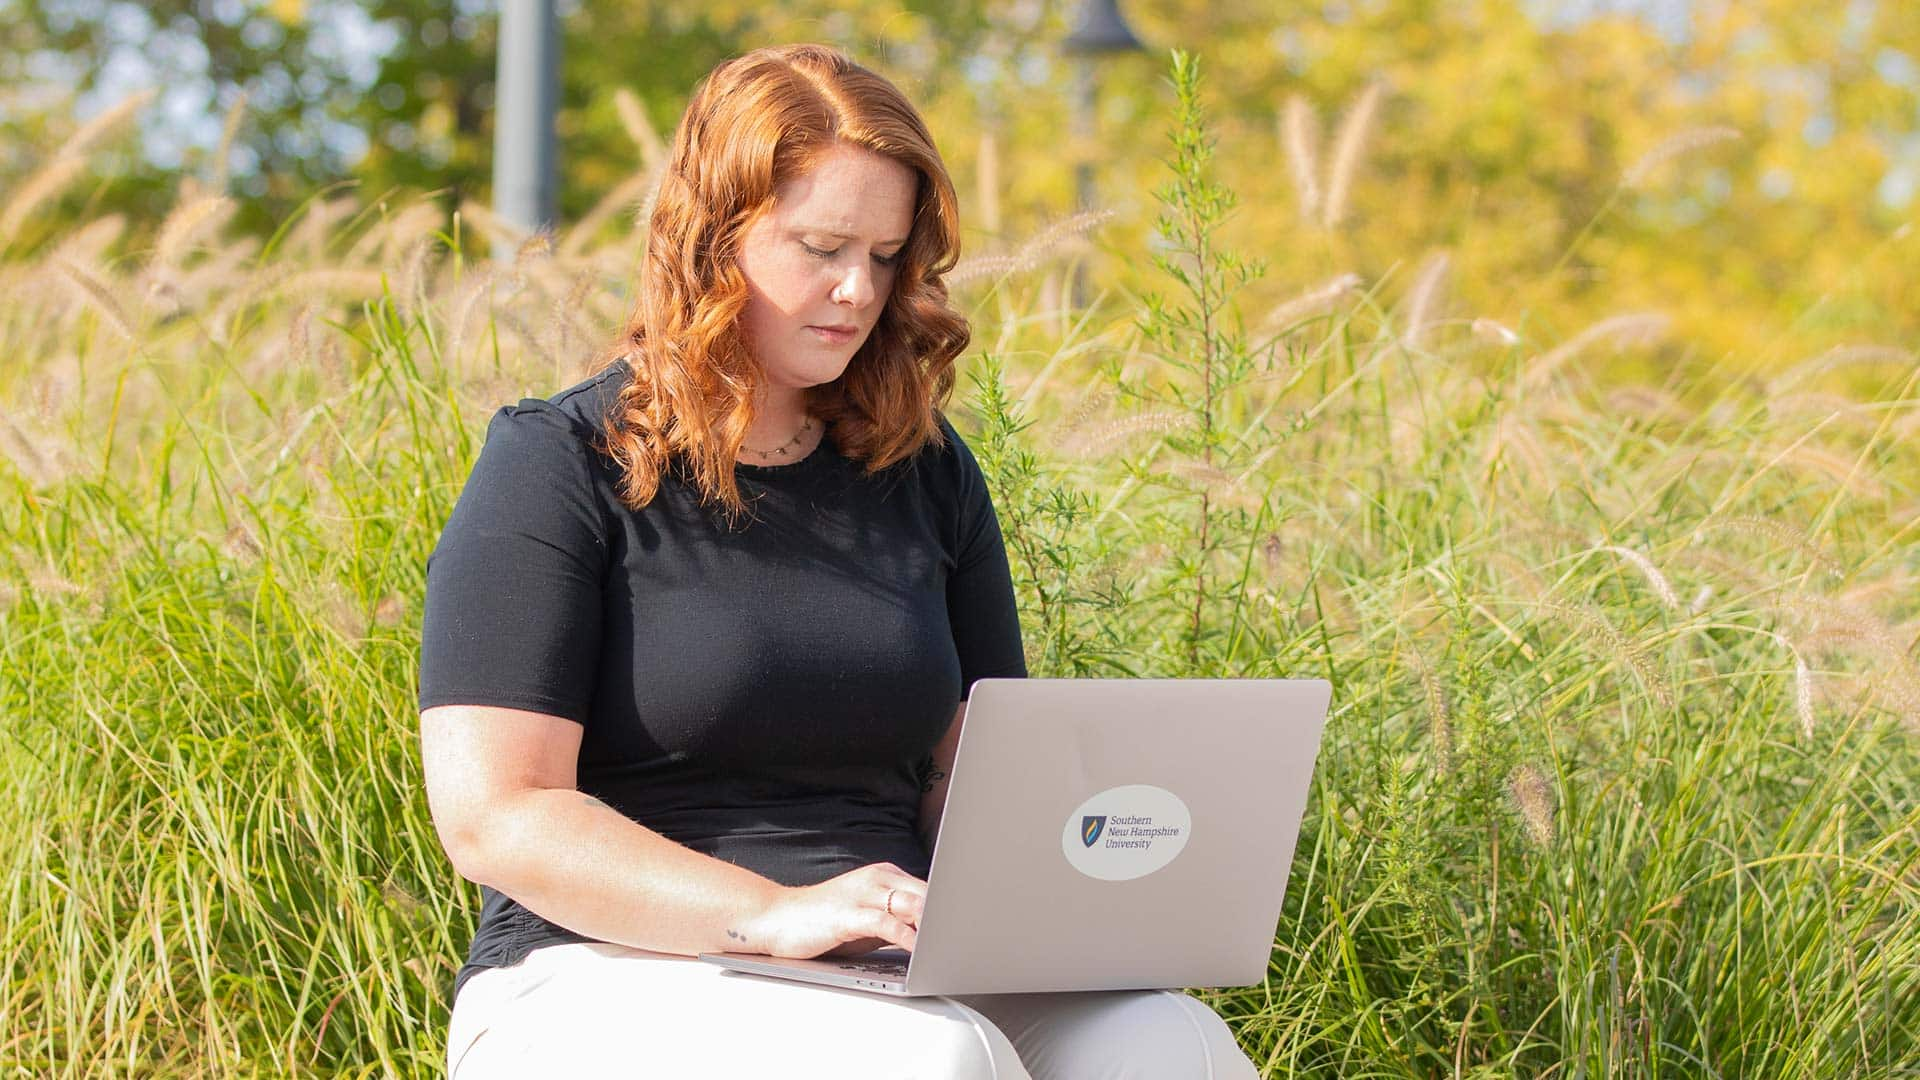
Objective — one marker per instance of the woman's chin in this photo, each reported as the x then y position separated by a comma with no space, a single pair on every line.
812,367
825,373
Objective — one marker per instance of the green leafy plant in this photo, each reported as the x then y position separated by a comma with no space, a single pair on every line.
1209,440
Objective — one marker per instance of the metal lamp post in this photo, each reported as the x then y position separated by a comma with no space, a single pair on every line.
1101,31
526,95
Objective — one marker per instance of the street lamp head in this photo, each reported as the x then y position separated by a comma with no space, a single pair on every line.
1101,29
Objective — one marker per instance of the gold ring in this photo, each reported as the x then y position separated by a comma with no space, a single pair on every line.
890,893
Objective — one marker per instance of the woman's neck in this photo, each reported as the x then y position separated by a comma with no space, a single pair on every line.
779,416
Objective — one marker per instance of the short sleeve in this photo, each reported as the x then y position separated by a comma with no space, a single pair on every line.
980,599
513,607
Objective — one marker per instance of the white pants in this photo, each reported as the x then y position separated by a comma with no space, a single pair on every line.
599,1010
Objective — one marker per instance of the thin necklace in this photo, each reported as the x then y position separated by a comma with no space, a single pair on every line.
782,450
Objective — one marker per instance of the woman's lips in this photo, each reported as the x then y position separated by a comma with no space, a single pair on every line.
834,337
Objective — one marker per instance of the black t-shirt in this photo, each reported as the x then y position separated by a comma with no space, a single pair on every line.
762,692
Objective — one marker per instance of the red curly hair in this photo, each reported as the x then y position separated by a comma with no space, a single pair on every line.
755,122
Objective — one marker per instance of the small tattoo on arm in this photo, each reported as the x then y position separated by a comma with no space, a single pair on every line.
741,938
933,777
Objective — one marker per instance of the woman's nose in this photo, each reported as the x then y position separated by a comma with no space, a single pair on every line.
855,286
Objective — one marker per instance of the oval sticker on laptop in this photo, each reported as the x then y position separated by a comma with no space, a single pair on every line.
1126,832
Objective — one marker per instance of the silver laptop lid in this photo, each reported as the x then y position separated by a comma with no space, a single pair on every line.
1118,833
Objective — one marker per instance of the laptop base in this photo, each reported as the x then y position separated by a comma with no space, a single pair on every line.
883,971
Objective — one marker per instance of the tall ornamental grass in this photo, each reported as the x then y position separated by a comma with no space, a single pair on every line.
1620,777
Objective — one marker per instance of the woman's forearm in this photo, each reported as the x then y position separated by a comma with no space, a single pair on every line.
578,862
933,804
933,787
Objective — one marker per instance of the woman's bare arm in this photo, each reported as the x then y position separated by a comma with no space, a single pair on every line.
501,786
933,791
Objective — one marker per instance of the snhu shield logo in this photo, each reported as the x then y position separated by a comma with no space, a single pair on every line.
1090,828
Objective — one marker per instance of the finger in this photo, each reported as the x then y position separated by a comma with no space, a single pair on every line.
857,946
881,925
904,901
910,906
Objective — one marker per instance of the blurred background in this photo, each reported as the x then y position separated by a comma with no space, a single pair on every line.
1746,166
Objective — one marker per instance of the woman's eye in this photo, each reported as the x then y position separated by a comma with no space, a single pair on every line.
883,260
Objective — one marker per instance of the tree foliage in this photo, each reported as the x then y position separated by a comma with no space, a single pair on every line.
1540,176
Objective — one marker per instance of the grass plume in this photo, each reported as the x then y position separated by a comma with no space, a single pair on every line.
1647,165
1300,141
1348,148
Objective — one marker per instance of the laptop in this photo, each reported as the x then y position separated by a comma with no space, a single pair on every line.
1104,834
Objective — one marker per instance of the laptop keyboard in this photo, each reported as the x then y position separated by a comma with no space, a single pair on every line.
892,966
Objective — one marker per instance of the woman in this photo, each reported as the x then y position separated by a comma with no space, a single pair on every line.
699,633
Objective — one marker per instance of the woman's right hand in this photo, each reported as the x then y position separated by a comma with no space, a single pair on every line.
841,916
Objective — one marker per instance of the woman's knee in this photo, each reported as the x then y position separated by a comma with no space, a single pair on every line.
1220,1054
1162,1035
962,1048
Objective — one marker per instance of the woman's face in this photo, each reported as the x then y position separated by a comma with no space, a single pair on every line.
820,264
